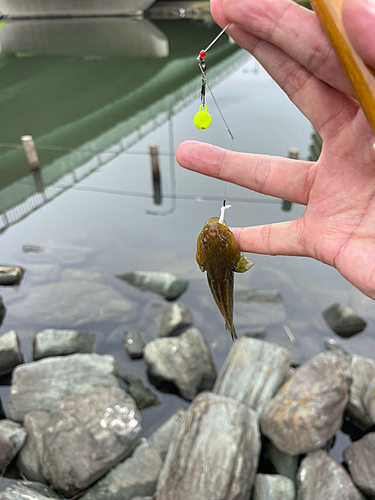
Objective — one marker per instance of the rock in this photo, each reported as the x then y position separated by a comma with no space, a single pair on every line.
28,490
363,370
12,438
185,362
257,333
32,249
333,345
360,457
87,435
273,487
40,385
175,319
142,395
368,400
343,320
257,296
2,310
10,354
30,458
53,342
308,409
252,372
284,464
321,477
2,413
214,453
133,343
10,275
167,285
161,438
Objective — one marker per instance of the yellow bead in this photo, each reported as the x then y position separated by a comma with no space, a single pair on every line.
202,119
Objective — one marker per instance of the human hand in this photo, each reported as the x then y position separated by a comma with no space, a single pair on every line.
338,225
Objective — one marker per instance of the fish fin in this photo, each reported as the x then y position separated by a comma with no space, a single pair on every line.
244,264
231,330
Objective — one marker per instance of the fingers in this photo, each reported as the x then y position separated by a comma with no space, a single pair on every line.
275,176
359,20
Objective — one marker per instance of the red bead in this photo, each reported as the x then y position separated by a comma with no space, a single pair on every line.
202,54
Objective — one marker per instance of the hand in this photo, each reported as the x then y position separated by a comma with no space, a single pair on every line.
338,226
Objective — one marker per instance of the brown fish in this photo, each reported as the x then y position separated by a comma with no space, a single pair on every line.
218,255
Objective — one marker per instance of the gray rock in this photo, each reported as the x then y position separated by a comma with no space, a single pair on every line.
273,487
28,490
32,249
2,310
137,475
87,435
284,464
360,457
175,319
257,296
53,342
133,343
167,285
142,395
10,275
368,400
363,370
161,438
321,477
10,354
308,409
185,362
256,333
12,438
214,453
343,320
333,345
252,372
30,458
39,385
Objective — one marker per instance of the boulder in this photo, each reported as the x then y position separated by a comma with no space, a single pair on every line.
10,353
53,342
161,438
167,285
363,370
28,490
360,458
174,320
368,400
133,343
343,320
273,487
12,438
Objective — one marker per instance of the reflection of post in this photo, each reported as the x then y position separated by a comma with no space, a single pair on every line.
293,153
30,151
37,175
155,169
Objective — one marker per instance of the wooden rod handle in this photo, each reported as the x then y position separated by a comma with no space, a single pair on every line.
361,76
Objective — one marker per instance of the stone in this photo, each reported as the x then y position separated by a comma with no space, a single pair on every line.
142,395
252,372
284,464
87,435
40,385
360,457
10,354
273,487
256,333
333,345
30,458
28,490
2,413
184,362
214,453
2,310
10,275
308,409
343,320
53,342
321,477
133,343
257,296
368,400
12,438
363,370
167,285
32,249
161,438
174,320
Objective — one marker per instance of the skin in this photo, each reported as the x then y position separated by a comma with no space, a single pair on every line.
338,226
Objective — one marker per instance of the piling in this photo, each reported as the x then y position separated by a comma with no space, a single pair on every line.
155,171
28,145
293,154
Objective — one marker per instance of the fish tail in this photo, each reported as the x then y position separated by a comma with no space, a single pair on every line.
231,330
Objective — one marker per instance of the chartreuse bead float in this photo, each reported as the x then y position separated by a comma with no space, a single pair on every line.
202,119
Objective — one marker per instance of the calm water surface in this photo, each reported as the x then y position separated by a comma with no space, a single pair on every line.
94,215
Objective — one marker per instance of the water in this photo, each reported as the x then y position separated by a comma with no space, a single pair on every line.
93,218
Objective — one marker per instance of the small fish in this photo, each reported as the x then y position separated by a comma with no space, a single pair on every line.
218,255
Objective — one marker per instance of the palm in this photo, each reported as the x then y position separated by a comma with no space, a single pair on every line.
338,226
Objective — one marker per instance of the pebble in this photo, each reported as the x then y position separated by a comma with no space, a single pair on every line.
10,275
167,285
133,343
273,487
343,320
10,353
142,395
12,438
360,457
53,342
174,320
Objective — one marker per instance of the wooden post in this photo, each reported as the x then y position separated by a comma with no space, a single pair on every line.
293,153
155,169
30,151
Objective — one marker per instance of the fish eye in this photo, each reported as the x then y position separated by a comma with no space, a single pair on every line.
223,239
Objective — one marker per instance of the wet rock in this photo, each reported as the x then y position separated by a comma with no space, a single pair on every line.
39,385
257,333
273,487
28,490
53,342
257,296
167,285
175,319
10,354
252,372
333,345
32,249
142,395
214,453
368,400
161,438
184,362
10,275
321,477
284,464
308,409
343,320
2,310
30,458
12,438
87,434
363,370
360,457
133,343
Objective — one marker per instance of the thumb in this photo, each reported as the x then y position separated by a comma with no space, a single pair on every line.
359,20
